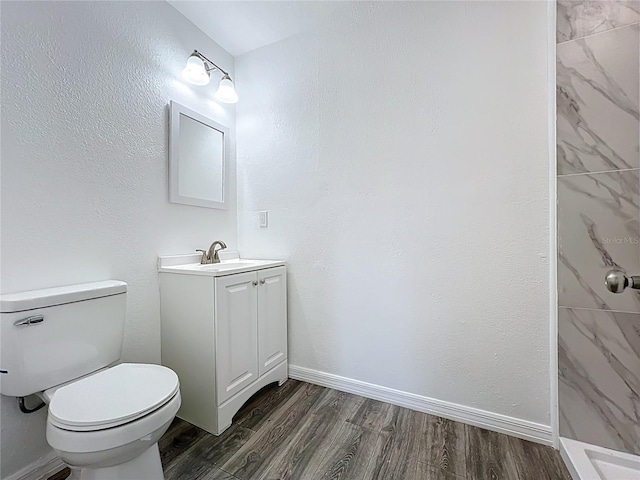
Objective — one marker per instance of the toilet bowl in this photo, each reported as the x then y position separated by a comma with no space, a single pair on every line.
107,425
64,344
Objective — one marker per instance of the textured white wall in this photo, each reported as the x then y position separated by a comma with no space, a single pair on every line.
403,156
84,163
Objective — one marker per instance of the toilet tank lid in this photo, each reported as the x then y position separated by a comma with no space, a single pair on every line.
49,297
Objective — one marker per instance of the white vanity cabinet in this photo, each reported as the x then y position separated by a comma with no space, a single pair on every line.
224,332
251,327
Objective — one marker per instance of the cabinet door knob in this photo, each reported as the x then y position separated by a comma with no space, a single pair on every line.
254,283
263,281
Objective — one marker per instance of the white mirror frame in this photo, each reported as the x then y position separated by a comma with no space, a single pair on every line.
175,110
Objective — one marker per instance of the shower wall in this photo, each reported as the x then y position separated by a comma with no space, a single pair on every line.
598,221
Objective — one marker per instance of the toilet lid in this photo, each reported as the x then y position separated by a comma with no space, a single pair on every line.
112,397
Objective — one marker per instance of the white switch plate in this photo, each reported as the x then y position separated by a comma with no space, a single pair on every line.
264,219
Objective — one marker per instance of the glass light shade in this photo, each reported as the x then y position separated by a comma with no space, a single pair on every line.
195,72
226,91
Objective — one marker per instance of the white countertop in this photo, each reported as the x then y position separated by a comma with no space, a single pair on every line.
230,264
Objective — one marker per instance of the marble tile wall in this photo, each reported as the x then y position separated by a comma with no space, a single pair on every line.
598,229
599,353
597,98
598,138
581,18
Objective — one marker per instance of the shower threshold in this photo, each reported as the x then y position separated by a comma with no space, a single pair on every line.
589,462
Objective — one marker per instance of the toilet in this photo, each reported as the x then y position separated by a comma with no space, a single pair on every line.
104,417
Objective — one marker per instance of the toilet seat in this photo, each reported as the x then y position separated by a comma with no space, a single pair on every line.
112,397
111,439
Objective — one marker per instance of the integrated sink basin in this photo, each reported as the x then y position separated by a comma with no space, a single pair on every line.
231,264
223,266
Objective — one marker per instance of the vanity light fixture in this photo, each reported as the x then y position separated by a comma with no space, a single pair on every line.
198,72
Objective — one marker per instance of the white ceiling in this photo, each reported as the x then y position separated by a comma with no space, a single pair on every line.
242,26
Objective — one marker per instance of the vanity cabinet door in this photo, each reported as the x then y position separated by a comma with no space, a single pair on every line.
272,318
236,333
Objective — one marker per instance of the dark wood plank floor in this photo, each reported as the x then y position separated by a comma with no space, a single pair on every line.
304,432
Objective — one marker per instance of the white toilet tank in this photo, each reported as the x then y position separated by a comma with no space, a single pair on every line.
52,336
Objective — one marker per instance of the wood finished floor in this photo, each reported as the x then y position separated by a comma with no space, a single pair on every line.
304,432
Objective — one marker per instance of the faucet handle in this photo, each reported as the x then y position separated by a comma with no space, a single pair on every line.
616,281
205,257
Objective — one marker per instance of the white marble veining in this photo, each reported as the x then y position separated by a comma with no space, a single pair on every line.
597,99
580,18
599,368
598,139
598,229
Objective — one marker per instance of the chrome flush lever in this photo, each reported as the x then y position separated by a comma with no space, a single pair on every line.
36,319
616,281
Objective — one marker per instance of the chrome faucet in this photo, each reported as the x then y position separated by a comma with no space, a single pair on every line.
212,255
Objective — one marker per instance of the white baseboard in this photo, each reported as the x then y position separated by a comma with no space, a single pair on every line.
43,468
516,427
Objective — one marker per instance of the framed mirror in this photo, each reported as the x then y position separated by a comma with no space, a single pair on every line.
198,151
